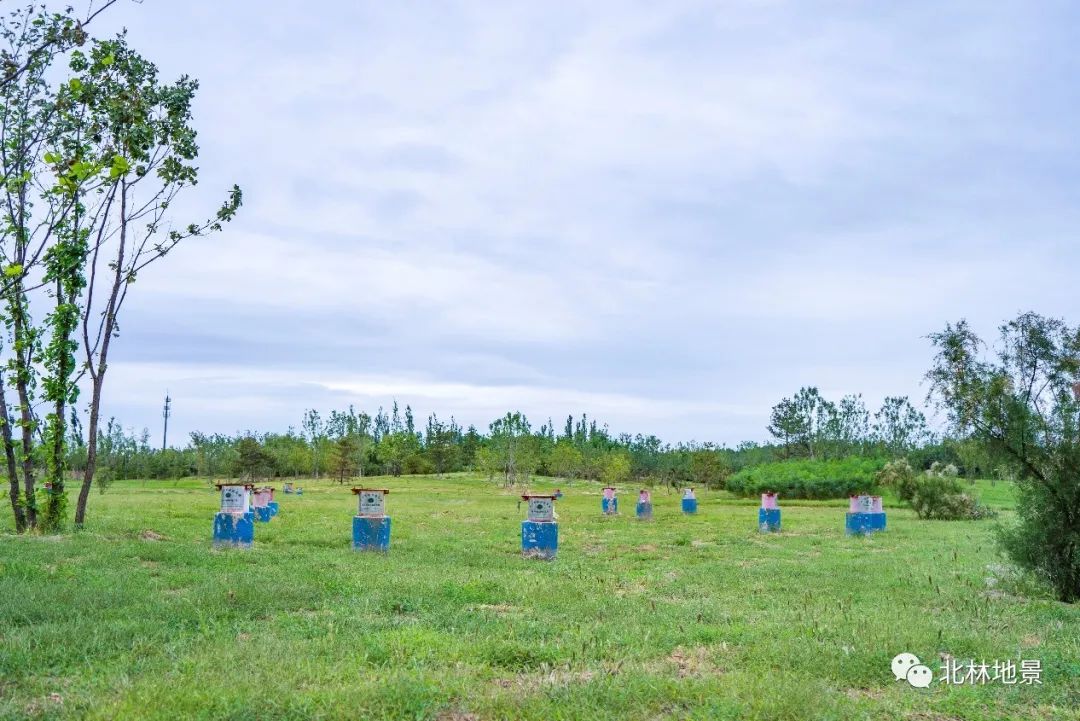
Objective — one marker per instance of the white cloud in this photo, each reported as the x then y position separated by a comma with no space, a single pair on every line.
604,204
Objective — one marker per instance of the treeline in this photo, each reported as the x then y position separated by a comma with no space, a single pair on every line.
347,444
809,425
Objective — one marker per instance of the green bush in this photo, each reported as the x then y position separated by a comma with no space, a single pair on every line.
934,494
808,478
1045,536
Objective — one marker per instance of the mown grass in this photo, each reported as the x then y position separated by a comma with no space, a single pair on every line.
684,617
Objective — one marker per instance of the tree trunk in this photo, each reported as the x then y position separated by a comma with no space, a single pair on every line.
98,366
9,454
22,355
91,453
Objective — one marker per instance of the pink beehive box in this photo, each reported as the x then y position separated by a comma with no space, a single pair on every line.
262,497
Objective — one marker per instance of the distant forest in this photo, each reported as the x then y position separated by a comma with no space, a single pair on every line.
348,444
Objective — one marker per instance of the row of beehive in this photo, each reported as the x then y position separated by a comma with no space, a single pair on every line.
241,506
234,523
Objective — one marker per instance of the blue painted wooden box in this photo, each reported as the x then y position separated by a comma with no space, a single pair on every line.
540,532
371,534
371,525
234,530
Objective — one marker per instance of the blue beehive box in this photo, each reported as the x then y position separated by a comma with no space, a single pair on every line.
609,502
540,531
371,525
865,515
234,523
644,506
689,501
769,513
261,504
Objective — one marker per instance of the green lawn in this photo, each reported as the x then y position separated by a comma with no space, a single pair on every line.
684,617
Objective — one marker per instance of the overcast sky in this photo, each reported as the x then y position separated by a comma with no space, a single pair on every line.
667,215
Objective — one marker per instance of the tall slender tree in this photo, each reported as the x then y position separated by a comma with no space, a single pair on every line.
142,129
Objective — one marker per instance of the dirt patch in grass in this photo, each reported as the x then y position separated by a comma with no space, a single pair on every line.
456,716
494,607
695,661
858,694
634,588
527,683
149,535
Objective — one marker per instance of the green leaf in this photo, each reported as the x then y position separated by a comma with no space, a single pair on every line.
13,270
120,167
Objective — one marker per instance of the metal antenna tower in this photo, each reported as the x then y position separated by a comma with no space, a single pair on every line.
165,415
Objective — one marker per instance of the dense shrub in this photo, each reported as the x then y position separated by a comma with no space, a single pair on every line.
808,478
1042,540
934,494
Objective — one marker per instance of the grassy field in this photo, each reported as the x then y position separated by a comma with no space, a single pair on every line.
682,618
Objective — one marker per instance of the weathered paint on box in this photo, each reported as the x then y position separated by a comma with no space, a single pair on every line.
273,506
372,504
235,499
609,503
769,520
539,539
261,498
877,521
371,533
541,509
263,514
234,530
644,511
864,523
861,503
